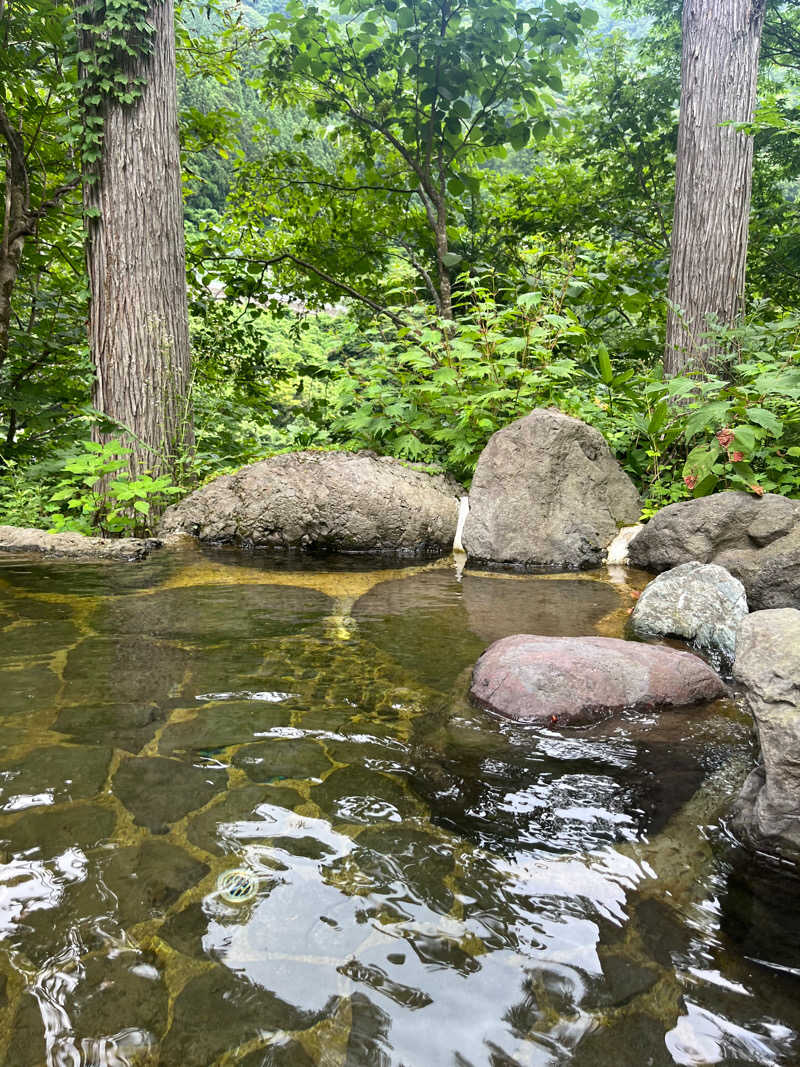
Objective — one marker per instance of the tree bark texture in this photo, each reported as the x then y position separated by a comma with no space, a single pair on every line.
138,319
14,230
719,67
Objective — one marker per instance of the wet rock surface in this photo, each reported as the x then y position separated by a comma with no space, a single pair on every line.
32,686
184,930
212,614
50,832
237,820
329,501
699,602
547,492
757,539
144,670
767,813
249,1011
158,791
271,761
125,726
53,775
75,545
582,679
215,727
281,1053
108,986
147,878
361,796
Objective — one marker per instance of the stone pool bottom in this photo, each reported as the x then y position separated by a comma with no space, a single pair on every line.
430,885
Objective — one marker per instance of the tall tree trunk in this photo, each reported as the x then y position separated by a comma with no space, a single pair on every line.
719,67
14,229
138,319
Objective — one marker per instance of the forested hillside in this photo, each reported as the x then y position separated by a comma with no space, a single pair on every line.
406,223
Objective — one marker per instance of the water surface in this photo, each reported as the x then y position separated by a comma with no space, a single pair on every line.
430,885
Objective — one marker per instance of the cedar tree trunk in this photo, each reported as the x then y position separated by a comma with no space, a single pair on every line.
719,67
138,319
14,229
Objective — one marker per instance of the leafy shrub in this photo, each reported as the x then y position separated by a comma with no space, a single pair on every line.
438,393
23,500
96,495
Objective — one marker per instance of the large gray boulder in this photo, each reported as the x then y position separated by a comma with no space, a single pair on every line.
547,492
772,573
756,538
699,602
767,813
334,501
576,680
75,545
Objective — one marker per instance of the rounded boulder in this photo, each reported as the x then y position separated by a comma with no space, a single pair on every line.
547,493
699,602
324,501
580,680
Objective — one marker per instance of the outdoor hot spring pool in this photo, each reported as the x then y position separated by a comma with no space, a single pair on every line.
419,883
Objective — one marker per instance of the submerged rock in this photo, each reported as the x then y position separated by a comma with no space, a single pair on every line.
158,791
27,539
582,679
547,492
328,501
249,1011
148,878
767,812
699,602
757,539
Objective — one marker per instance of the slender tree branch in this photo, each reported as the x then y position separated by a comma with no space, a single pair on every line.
283,257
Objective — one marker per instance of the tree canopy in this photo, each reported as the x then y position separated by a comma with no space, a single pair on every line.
406,222
417,99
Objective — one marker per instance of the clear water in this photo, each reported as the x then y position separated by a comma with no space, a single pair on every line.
421,884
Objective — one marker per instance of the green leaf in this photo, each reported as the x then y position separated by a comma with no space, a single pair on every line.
658,418
706,485
700,460
711,415
451,259
604,364
770,422
744,439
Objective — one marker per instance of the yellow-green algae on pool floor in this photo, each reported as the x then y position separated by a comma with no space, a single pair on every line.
432,883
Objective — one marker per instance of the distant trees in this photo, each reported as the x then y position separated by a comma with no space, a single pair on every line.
416,96
721,42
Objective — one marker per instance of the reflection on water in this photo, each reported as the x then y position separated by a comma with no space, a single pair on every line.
432,886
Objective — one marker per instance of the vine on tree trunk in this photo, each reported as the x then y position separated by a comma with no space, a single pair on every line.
114,37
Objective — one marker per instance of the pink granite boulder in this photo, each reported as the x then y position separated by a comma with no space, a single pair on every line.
579,680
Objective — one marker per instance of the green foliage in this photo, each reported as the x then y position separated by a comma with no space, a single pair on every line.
96,494
22,499
44,371
438,392
416,97
114,39
261,381
547,209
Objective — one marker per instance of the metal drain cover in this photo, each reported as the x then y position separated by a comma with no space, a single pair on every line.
237,885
